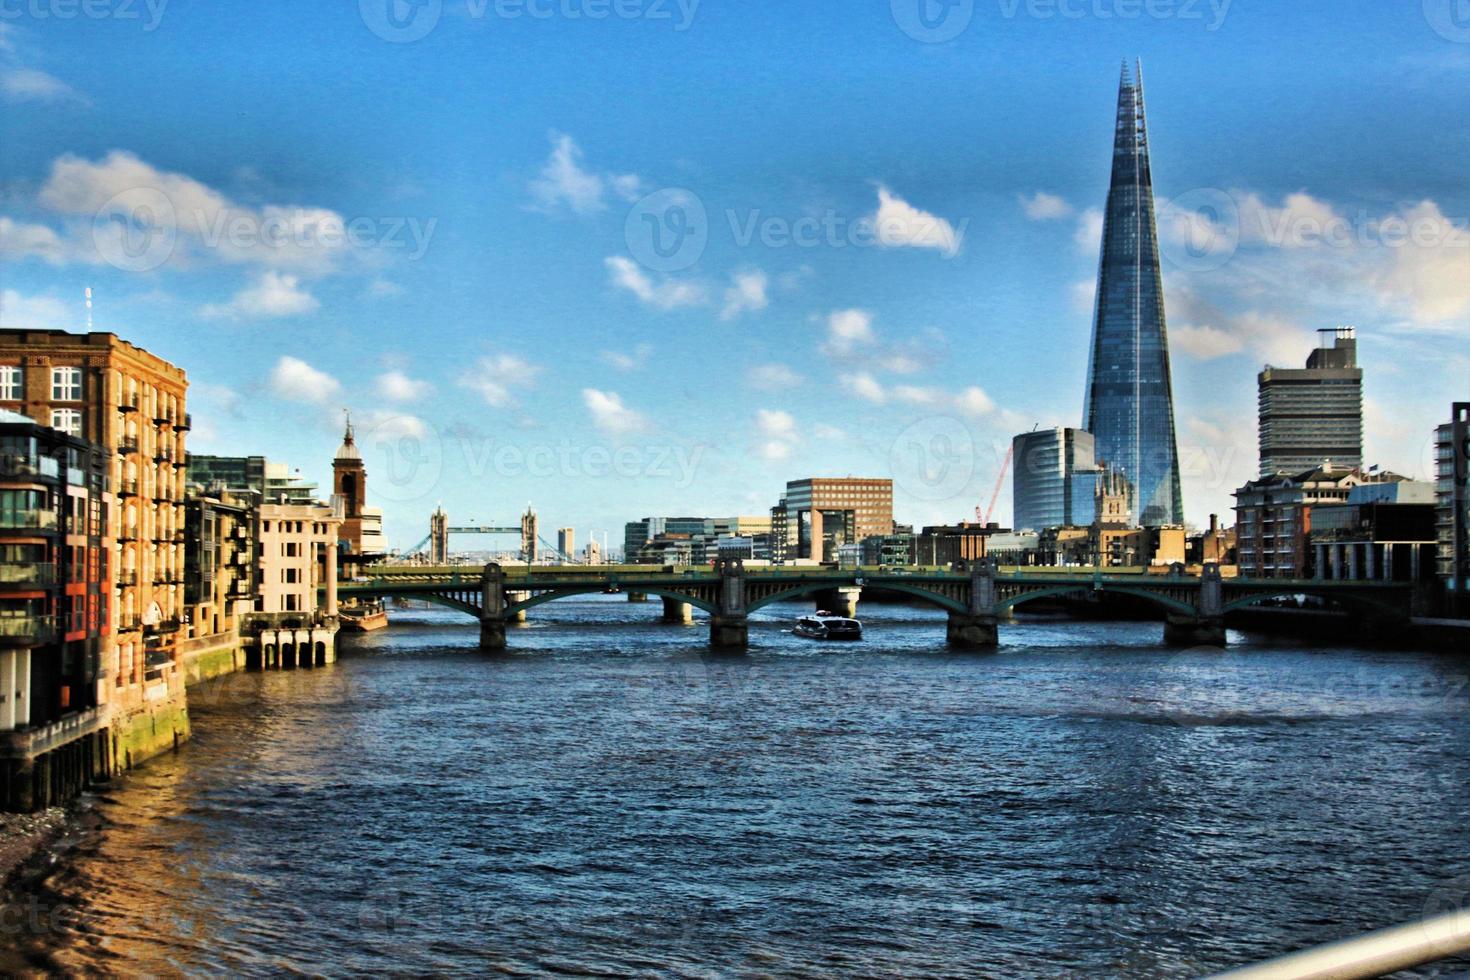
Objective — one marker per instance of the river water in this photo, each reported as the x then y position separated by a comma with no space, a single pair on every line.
609,798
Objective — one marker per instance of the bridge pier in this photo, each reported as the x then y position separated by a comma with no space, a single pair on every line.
1194,631
842,601
977,627
729,625
637,597
975,632
492,608
729,632
1206,628
519,616
492,634
678,612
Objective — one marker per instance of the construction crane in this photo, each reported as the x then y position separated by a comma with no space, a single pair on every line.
984,518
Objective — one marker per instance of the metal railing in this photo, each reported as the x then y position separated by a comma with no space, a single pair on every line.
27,573
23,464
42,520
34,629
1373,955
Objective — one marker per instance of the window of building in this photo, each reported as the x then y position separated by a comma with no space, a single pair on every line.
67,420
12,383
66,384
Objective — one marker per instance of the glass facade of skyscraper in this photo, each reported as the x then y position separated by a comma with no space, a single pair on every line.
1054,479
1130,399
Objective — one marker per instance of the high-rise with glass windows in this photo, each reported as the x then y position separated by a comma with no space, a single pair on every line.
1054,479
1314,415
1130,400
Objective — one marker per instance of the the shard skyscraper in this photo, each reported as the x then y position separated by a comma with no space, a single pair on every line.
1130,398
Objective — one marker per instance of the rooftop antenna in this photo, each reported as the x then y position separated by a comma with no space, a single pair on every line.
89,309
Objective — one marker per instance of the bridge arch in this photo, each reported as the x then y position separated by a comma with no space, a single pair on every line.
812,588
551,595
1167,602
1348,601
927,596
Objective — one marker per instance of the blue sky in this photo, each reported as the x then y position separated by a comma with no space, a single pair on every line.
891,275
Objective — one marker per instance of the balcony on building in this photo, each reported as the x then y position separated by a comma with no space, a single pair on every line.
27,519
27,575
21,627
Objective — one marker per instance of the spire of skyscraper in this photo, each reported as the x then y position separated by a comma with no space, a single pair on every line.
1130,398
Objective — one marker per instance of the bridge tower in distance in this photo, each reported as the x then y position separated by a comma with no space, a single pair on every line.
528,536
439,537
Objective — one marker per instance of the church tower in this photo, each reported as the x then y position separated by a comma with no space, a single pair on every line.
349,485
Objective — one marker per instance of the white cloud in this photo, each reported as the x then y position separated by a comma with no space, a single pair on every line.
865,386
1204,342
666,294
1084,295
899,224
775,423
974,401
379,425
772,377
916,395
383,288
399,387
823,432
498,377
33,85
610,414
1430,270
1409,268
1042,206
296,380
778,433
848,330
19,312
204,222
747,292
1088,236
273,294
564,181
627,360
19,241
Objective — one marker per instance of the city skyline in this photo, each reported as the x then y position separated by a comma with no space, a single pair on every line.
963,318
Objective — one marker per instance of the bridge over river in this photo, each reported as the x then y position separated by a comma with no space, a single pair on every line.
976,595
